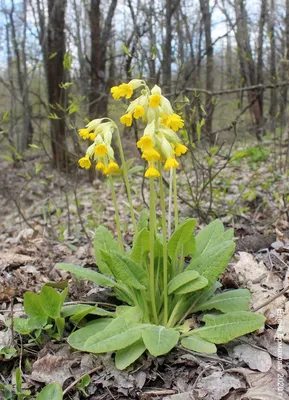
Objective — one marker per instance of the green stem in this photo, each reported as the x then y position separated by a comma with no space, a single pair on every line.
170,204
176,210
174,313
117,219
125,176
152,245
165,255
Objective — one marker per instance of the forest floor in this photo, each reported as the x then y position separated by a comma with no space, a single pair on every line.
49,217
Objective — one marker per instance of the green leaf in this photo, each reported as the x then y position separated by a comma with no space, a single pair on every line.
128,355
214,261
126,50
123,269
197,343
233,300
78,338
143,220
85,273
51,391
159,340
8,352
181,280
50,301
33,307
132,315
76,309
141,246
183,236
225,327
103,240
18,380
117,335
192,286
205,294
207,236
67,61
60,323
20,325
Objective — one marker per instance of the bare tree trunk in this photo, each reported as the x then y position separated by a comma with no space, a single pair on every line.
27,132
99,43
247,63
285,66
171,6
273,97
55,76
206,15
260,75
95,55
230,79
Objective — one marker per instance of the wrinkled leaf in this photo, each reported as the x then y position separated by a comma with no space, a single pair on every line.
159,340
85,273
126,356
197,343
226,327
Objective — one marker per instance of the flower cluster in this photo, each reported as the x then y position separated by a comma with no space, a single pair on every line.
159,143
100,151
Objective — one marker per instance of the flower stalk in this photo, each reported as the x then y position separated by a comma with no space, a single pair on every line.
117,219
152,251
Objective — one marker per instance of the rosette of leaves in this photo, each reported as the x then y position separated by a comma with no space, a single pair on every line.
192,289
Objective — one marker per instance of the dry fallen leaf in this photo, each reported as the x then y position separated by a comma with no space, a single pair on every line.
268,340
51,368
219,383
263,393
253,357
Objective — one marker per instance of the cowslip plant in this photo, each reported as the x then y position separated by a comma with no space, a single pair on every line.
161,291
44,314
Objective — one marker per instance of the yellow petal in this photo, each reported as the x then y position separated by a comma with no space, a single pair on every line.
171,163
152,172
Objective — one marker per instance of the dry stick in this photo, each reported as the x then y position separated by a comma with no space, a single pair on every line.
82,376
201,355
271,300
154,393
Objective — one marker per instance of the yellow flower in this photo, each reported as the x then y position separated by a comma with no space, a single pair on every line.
155,100
145,143
152,172
100,150
175,122
92,136
171,163
99,166
123,90
116,92
126,119
164,119
151,155
180,149
126,90
84,133
84,162
139,111
112,167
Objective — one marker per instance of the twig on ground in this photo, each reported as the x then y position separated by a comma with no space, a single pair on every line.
154,393
79,379
208,356
271,299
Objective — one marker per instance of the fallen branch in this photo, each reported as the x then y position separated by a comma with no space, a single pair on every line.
81,377
271,299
